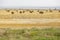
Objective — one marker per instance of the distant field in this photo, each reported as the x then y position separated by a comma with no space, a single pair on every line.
30,34
15,18
29,13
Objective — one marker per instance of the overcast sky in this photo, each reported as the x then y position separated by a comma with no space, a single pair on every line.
29,3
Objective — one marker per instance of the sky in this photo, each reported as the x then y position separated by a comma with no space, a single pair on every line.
29,3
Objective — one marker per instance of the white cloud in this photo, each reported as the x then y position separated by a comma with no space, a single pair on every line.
29,3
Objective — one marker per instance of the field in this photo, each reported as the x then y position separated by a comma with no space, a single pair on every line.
30,34
29,14
29,24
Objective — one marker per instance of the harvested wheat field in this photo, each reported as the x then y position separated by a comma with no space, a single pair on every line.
24,23
15,18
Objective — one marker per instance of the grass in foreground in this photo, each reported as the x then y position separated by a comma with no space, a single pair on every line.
30,34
